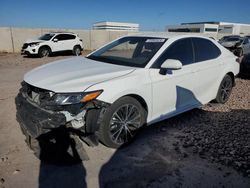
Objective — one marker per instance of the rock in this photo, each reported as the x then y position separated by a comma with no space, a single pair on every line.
2,180
16,171
163,129
227,174
4,159
175,143
185,155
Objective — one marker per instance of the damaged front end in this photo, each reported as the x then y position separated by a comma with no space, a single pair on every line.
44,121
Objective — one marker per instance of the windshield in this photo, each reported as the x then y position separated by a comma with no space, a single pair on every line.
46,37
129,51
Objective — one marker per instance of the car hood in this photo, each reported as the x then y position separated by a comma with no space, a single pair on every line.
74,74
33,40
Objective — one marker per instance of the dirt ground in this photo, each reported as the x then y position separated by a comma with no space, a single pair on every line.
157,157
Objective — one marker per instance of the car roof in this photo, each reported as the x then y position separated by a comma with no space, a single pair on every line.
167,35
58,32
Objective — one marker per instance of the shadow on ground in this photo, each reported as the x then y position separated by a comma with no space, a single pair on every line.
157,157
60,162
154,159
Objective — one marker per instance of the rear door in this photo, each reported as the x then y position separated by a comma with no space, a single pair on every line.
209,68
69,41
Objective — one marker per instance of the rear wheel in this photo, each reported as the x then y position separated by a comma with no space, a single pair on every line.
225,90
121,122
44,51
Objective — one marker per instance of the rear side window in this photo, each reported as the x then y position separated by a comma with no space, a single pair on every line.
205,49
181,50
65,37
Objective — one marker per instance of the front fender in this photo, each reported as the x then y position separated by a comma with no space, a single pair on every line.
136,83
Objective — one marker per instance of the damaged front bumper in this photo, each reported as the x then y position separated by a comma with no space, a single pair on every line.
34,120
80,120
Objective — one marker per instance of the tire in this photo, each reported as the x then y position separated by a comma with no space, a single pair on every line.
239,52
121,121
225,90
77,50
44,51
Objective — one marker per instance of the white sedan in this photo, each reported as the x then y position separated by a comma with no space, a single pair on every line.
130,82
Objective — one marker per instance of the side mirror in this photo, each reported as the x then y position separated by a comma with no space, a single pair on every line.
55,40
170,64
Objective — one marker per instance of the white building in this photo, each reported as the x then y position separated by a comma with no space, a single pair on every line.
116,26
211,27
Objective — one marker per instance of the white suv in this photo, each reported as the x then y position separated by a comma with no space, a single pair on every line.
53,42
136,80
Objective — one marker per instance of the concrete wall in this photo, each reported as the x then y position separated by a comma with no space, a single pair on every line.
20,35
12,39
6,40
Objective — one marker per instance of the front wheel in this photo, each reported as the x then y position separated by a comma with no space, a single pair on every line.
77,50
121,122
44,52
225,90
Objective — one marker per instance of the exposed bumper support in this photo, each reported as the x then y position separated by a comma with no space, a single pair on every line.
37,122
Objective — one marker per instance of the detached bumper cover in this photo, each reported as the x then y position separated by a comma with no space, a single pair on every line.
34,120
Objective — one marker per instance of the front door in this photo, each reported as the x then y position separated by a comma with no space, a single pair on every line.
174,92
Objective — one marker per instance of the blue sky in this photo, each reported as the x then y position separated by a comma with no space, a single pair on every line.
150,14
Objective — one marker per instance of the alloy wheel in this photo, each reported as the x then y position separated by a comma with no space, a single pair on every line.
124,123
226,89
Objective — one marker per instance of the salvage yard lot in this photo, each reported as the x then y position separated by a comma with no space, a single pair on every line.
208,147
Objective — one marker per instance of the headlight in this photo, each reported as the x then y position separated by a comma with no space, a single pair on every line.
34,44
74,98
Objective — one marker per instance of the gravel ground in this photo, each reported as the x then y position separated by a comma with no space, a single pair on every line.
207,147
221,133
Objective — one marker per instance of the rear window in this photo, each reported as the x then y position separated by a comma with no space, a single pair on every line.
205,49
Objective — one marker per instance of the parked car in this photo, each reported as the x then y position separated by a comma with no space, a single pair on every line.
245,65
243,48
238,45
231,42
131,82
229,36
53,42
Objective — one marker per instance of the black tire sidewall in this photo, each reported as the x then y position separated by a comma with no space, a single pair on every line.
218,97
104,133
74,50
41,50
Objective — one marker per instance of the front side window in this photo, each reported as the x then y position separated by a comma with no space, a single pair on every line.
181,50
205,49
129,51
